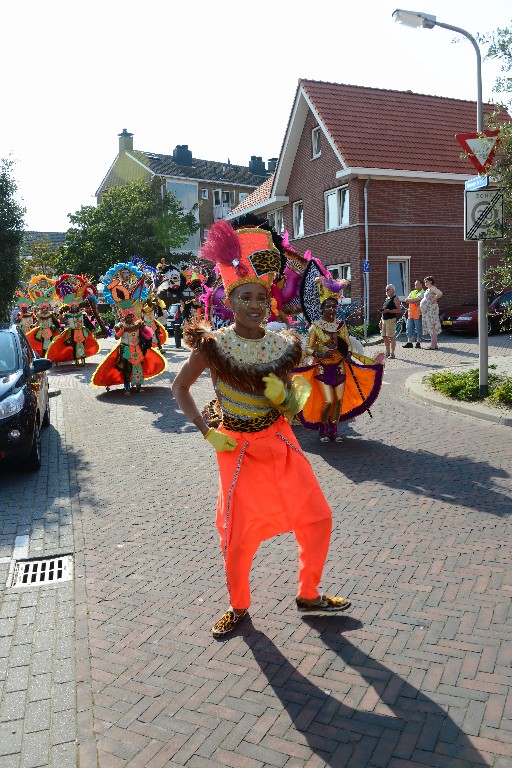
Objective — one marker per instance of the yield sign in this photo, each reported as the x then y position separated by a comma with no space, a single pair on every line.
480,147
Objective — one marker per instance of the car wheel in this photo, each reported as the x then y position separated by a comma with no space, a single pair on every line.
46,418
34,459
490,329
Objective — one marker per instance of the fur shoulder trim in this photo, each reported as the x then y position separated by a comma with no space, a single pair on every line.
196,335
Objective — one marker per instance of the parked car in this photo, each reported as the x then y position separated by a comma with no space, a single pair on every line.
24,399
173,318
464,318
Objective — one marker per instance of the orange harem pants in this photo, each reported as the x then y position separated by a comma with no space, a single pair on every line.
267,487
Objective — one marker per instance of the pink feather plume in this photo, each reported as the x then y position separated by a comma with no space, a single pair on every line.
222,245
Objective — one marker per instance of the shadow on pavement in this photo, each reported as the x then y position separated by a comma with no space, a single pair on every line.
458,480
414,728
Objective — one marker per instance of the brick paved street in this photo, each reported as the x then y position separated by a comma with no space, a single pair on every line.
419,672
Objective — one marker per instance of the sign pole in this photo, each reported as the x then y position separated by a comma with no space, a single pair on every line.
483,337
483,341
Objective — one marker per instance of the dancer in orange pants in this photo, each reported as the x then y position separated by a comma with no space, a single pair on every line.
266,485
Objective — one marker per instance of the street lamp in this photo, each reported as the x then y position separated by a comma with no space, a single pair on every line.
417,19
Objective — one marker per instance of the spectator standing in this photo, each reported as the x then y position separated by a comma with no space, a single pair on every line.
390,309
430,311
414,322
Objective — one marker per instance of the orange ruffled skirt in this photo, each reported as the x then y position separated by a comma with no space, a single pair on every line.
60,352
107,375
362,387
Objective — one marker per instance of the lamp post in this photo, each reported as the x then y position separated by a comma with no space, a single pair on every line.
418,19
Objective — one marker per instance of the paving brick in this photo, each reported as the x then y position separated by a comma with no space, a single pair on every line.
420,540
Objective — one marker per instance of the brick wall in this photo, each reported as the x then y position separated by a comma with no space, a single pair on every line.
419,221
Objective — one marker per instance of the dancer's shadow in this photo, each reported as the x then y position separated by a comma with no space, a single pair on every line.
342,728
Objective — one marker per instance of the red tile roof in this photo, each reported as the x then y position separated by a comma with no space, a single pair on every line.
260,195
375,128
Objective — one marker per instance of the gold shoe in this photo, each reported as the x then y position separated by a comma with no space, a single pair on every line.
228,622
324,603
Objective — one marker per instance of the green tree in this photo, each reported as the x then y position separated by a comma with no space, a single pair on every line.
41,260
11,236
500,48
132,220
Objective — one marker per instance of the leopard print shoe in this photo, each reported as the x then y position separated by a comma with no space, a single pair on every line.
228,622
324,604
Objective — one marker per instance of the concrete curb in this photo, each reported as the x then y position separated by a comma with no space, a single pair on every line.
417,388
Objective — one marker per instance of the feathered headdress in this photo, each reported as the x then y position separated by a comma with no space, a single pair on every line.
246,255
75,288
329,288
41,289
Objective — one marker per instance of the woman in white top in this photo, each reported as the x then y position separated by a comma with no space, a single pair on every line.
430,312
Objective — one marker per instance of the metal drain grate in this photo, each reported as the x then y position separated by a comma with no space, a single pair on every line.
34,572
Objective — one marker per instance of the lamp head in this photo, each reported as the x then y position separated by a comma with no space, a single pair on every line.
414,18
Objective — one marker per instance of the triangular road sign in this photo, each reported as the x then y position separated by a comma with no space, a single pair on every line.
480,147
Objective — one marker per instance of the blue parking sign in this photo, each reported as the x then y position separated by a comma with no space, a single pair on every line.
366,265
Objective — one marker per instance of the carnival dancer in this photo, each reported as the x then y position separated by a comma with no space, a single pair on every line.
159,334
267,486
132,360
344,383
23,313
77,341
41,290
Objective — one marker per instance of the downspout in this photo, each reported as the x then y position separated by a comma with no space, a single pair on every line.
366,275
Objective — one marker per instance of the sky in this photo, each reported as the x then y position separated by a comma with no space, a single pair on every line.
218,76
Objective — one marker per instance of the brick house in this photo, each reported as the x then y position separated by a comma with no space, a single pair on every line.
375,174
216,187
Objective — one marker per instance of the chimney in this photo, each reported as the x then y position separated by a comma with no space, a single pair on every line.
257,166
182,155
272,162
125,141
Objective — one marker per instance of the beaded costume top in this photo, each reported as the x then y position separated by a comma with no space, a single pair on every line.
237,366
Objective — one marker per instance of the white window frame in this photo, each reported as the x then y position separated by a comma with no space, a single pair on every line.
204,194
406,261
342,271
276,220
217,193
316,145
342,208
298,219
242,196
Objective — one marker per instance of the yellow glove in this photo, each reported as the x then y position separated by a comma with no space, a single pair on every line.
275,391
220,441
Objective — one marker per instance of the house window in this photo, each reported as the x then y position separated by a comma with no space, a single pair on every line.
187,195
276,220
315,141
242,196
298,219
341,272
204,194
337,208
398,275
223,203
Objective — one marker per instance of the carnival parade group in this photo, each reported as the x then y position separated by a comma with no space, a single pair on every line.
267,322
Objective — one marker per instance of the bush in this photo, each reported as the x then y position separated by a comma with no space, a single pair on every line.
358,330
465,386
502,394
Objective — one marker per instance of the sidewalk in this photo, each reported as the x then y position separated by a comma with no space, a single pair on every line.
417,386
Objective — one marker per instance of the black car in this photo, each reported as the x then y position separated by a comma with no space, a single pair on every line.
174,318
24,400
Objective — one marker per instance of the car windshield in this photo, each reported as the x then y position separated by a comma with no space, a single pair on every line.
8,353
